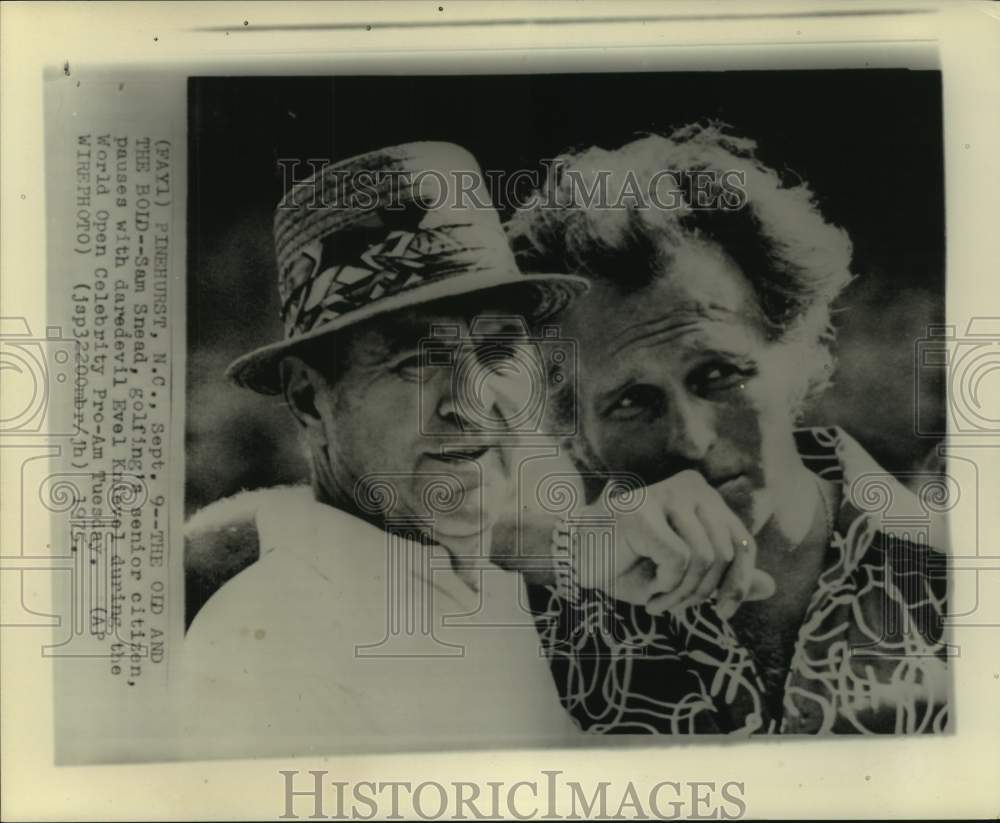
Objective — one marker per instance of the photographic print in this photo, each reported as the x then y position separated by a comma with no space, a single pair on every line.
461,410
564,406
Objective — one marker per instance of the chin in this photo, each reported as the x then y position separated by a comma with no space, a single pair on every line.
468,514
465,538
751,507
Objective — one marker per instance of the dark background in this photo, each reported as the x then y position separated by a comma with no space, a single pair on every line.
868,141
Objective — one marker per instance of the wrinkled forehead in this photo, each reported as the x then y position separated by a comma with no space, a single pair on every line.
691,290
698,295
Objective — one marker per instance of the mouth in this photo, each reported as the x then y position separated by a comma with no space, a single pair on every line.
456,455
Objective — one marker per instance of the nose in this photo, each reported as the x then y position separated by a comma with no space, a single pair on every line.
467,396
490,393
688,431
462,405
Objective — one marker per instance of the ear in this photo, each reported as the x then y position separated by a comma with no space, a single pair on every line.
301,385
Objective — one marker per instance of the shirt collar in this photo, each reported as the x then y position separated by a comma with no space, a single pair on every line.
292,522
872,499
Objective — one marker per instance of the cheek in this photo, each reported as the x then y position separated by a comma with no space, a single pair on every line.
764,424
602,446
618,449
374,430
632,448
741,426
390,422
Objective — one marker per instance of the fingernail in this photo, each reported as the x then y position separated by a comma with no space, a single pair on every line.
657,611
726,608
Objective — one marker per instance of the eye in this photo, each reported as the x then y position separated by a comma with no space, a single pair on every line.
418,366
495,352
509,358
409,367
718,376
636,401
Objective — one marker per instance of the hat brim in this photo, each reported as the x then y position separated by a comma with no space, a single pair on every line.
259,369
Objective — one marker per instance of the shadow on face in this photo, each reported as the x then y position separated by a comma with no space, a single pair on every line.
680,375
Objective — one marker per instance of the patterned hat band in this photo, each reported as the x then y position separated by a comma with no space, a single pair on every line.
320,285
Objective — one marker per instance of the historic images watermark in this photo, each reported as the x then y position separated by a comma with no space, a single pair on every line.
316,795
332,186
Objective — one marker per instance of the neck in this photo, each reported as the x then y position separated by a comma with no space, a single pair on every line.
800,521
464,566
332,495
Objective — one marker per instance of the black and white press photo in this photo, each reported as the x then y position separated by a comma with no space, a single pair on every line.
559,411
542,410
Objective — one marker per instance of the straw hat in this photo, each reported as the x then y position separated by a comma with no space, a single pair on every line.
383,231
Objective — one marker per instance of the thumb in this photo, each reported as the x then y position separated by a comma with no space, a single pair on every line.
762,586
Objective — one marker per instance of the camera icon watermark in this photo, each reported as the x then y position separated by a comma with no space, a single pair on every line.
408,508
40,378
908,514
970,366
586,550
502,381
87,558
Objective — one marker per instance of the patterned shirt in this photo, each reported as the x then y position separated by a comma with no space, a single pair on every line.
870,656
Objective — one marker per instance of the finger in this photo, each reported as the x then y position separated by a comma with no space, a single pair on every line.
636,584
717,519
659,604
658,571
762,586
735,585
649,534
669,564
689,529
617,570
713,516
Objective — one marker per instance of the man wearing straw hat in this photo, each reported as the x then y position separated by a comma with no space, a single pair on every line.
336,635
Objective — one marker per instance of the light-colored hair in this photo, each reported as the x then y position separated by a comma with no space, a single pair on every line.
796,261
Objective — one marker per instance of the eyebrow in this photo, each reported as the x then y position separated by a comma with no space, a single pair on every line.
383,343
407,333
